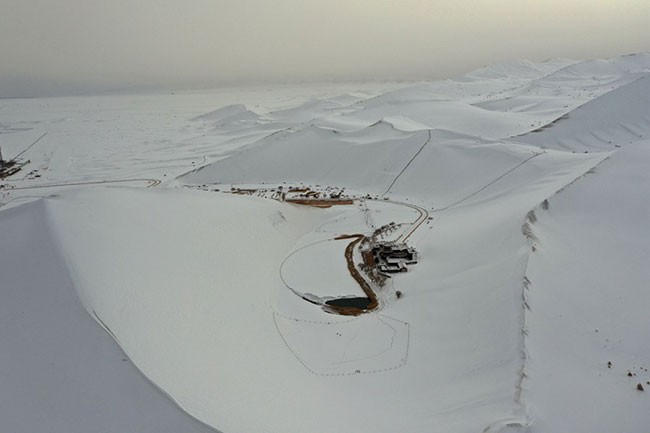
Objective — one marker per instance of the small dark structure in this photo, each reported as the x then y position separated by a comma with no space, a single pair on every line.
7,168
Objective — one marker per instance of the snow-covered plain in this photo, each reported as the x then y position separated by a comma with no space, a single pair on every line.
523,186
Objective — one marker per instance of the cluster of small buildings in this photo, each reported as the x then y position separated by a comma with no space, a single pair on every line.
389,258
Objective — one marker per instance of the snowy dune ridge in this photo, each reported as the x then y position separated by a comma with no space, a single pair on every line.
523,186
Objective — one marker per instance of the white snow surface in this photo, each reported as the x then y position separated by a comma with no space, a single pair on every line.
523,186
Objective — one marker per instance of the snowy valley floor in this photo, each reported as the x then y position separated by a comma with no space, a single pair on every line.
149,255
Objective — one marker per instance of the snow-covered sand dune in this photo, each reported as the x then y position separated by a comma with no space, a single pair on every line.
617,118
588,296
59,371
523,186
318,155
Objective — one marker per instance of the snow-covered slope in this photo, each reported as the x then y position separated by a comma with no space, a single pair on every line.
588,297
522,186
617,118
231,114
182,281
367,158
59,371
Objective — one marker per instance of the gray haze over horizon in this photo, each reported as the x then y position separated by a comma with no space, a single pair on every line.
85,46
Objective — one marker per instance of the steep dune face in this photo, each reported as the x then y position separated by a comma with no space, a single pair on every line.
59,370
617,118
182,282
588,297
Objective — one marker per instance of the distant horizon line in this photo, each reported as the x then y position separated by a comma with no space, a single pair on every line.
76,89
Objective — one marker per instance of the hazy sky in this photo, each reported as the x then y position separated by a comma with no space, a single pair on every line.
61,46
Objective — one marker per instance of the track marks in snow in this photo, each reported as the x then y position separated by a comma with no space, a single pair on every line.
368,344
150,183
487,185
409,163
